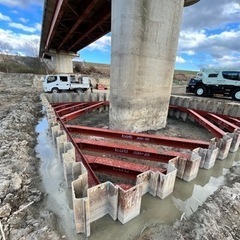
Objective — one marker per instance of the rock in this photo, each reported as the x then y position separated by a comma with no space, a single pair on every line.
5,210
16,182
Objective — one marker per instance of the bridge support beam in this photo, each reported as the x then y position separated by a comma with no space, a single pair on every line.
144,44
60,62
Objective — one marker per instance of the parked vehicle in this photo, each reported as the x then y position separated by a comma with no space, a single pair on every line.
65,82
216,81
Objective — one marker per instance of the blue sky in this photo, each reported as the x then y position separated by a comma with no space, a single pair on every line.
209,37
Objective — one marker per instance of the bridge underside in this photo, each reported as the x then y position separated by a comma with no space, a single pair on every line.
74,24
71,25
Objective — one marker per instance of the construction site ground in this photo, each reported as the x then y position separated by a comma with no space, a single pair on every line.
23,199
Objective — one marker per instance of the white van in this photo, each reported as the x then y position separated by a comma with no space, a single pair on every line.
65,82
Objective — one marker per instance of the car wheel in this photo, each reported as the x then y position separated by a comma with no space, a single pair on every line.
200,91
236,95
79,90
55,90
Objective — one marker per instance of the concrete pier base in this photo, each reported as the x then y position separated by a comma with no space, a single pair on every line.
144,43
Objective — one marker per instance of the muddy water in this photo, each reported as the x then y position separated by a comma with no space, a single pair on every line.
184,200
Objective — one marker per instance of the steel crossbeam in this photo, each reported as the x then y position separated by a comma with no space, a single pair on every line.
123,150
58,106
119,168
70,109
144,138
233,120
230,123
92,178
78,113
129,170
217,132
222,122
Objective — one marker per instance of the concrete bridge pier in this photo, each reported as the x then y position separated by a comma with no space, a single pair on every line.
144,45
60,62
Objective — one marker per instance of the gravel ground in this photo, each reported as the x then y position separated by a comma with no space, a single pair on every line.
22,197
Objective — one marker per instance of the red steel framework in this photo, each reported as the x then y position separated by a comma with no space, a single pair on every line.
125,144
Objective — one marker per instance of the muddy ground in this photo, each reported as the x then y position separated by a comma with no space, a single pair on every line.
22,197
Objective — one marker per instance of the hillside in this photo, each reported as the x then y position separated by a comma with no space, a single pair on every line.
99,72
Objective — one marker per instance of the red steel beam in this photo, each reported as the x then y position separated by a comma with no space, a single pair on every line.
56,19
119,168
78,113
92,178
217,132
233,120
146,138
123,150
222,122
63,105
70,109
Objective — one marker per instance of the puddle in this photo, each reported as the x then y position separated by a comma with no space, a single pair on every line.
59,198
185,198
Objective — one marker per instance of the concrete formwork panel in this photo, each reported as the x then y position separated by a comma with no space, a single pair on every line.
67,168
129,203
224,145
167,181
145,180
103,200
208,156
60,140
153,183
235,140
235,111
191,167
180,165
80,208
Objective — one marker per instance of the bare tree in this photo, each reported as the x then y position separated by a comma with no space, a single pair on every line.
5,56
32,47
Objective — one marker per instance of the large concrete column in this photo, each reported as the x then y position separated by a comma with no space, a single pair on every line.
144,45
60,62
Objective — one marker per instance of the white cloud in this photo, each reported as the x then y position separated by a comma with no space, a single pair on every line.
210,14
22,27
103,44
18,42
4,18
189,52
38,27
24,20
180,60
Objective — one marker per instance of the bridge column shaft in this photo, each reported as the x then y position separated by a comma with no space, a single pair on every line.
61,62
144,45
